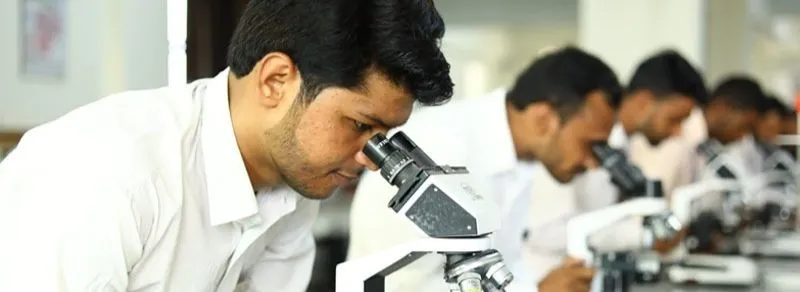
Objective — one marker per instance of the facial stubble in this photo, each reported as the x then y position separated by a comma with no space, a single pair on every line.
292,163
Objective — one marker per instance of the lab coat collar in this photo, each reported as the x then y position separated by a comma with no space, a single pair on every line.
230,193
492,149
694,129
618,138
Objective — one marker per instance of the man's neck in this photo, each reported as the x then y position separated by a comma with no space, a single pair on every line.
260,167
515,118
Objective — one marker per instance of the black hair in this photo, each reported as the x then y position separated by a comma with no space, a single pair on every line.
668,73
740,93
563,79
774,104
334,43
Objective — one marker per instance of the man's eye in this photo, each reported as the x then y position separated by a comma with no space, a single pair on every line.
361,127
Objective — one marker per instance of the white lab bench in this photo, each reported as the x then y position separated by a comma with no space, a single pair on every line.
769,268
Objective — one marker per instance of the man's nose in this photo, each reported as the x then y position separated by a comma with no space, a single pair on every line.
362,159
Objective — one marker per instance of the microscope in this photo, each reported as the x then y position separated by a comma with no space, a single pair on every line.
779,210
632,183
641,197
719,178
440,201
707,269
616,270
774,234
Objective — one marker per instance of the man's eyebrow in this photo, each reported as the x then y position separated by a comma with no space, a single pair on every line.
376,120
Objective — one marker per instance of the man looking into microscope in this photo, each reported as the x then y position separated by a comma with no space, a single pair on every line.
560,105
660,96
214,185
735,107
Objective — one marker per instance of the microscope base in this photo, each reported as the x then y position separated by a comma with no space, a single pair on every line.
367,274
714,270
785,245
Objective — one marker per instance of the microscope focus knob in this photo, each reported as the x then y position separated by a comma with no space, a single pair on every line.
499,275
664,225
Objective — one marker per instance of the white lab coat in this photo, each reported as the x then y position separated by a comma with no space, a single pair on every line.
472,133
553,204
147,191
686,166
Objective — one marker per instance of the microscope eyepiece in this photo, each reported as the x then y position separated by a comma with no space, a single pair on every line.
378,149
395,162
602,151
627,177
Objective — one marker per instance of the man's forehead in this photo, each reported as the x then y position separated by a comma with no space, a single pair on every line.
391,110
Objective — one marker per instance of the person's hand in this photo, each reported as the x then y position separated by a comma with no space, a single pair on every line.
571,276
663,247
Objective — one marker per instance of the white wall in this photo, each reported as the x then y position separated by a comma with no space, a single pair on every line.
112,45
624,32
483,58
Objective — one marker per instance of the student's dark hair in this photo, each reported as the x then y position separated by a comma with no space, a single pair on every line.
740,92
334,43
563,79
774,104
667,73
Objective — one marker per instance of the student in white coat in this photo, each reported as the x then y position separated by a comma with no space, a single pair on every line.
770,125
661,95
214,186
732,113
766,133
556,109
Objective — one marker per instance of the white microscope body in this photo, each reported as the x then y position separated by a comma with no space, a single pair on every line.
707,269
775,187
440,201
581,227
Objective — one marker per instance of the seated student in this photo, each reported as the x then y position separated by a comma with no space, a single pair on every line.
661,95
734,108
774,159
770,126
555,110
789,127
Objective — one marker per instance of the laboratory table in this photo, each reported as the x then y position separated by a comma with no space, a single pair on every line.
768,267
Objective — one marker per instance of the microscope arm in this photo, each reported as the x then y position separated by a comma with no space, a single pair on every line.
581,227
353,275
683,197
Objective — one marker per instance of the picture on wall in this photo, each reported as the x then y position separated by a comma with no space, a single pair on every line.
43,38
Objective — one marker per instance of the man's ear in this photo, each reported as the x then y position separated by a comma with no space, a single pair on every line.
278,79
543,118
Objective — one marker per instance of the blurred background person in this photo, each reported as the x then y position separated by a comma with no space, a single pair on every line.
771,123
557,108
733,112
662,93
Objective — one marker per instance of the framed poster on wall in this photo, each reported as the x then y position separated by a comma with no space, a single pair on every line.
43,38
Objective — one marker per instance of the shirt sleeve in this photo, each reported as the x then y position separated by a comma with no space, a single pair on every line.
287,263
65,230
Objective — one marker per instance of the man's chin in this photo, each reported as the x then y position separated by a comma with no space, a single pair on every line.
318,195
563,178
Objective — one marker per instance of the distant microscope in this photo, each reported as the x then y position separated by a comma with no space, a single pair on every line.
774,229
707,269
440,201
779,209
617,270
714,230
